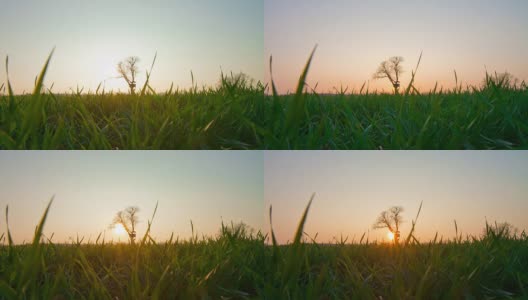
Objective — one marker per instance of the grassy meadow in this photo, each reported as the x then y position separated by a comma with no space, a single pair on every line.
239,114
484,119
227,265
237,264
195,118
491,116
491,266
208,119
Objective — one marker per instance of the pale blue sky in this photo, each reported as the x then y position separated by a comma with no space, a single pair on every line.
353,187
355,36
92,36
91,186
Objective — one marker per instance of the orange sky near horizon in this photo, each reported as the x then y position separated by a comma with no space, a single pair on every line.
352,187
353,37
90,187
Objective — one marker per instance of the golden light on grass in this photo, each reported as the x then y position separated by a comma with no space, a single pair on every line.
119,229
390,235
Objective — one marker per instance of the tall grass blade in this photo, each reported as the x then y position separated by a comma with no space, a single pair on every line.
40,226
408,90
273,238
144,89
40,80
362,87
300,228
9,238
273,87
408,239
9,88
147,232
296,107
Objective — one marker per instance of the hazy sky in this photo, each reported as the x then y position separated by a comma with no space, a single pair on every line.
355,36
90,187
353,187
92,36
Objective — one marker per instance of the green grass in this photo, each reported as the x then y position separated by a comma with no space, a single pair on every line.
227,265
492,266
196,118
484,269
184,120
476,120
239,115
492,116
237,264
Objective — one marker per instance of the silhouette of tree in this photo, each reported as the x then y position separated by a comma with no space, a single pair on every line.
129,219
128,70
391,69
390,219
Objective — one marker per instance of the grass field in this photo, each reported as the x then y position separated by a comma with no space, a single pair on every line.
195,118
466,120
241,115
227,265
237,264
491,266
183,120
491,116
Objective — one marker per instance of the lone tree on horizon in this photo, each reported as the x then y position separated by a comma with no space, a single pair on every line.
390,219
391,69
128,70
128,219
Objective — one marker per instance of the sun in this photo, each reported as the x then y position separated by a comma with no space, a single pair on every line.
119,229
390,235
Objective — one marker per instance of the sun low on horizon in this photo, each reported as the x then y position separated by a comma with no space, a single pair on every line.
119,230
91,37
89,189
390,236
451,193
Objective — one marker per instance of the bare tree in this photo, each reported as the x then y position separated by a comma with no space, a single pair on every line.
391,69
128,218
390,219
128,70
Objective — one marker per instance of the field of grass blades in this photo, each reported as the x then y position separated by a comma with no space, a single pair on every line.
491,266
491,116
238,264
227,265
194,118
242,115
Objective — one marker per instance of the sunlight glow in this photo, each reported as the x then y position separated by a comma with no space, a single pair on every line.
390,235
119,229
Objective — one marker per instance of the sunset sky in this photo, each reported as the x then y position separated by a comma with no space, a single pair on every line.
355,36
93,36
90,187
353,187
